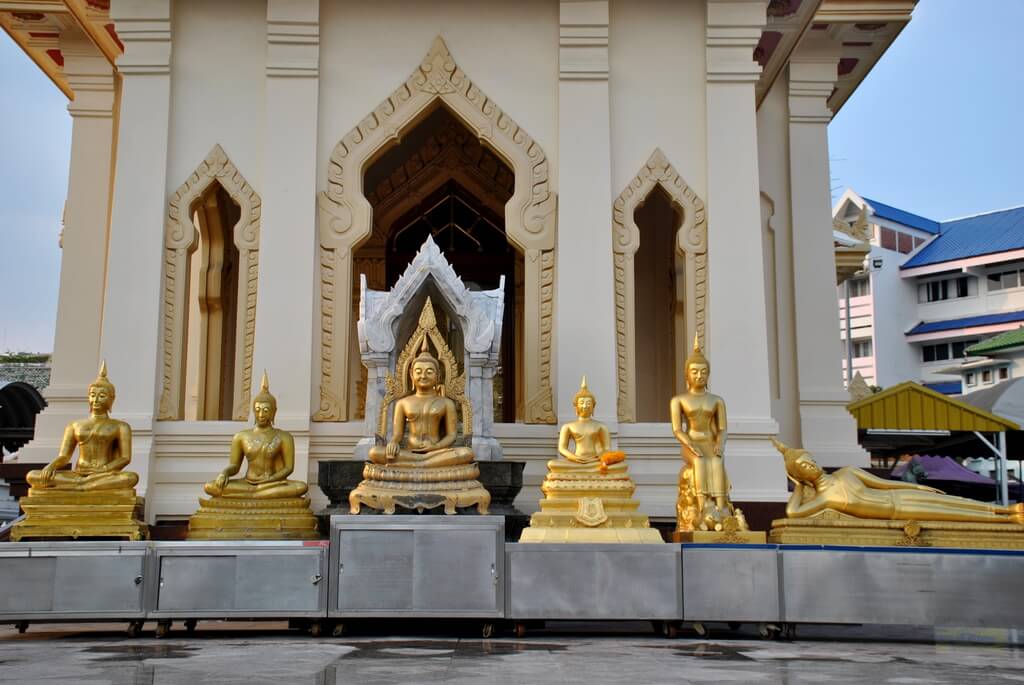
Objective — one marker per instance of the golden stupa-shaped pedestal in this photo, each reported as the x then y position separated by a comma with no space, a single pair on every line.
228,518
67,514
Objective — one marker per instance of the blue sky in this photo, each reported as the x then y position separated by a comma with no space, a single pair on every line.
937,128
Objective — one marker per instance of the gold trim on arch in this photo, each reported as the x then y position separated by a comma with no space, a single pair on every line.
345,221
179,235
691,243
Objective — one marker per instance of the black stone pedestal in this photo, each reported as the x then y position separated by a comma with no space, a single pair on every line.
503,479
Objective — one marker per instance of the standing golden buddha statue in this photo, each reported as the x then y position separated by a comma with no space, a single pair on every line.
422,466
97,497
853,507
704,512
263,504
588,494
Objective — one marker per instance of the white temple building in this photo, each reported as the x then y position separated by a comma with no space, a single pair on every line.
639,172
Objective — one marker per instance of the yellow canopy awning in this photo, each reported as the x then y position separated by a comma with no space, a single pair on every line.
912,407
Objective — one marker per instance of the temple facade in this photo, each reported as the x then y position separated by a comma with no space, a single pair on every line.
638,173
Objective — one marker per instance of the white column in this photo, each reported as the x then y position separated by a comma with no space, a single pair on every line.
284,303
737,339
130,338
585,304
827,429
76,345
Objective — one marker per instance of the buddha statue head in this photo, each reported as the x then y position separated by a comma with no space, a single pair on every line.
101,393
264,405
425,370
800,465
584,401
697,368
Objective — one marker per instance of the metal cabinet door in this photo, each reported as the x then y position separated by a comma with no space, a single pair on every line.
26,584
278,582
100,583
196,583
456,570
375,570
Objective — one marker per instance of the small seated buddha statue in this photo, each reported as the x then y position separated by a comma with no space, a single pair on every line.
421,466
699,424
588,494
97,497
264,504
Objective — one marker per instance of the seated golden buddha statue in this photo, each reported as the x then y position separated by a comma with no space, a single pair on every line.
421,466
588,494
263,504
97,497
852,506
699,424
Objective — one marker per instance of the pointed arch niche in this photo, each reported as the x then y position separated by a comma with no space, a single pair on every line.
346,222
211,263
660,184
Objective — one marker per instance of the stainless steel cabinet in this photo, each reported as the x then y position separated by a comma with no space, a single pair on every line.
417,566
44,580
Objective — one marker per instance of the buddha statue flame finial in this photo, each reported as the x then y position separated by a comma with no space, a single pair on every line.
697,356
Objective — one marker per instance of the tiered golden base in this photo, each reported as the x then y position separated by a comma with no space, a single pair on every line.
415,488
53,513
839,529
587,507
721,537
229,518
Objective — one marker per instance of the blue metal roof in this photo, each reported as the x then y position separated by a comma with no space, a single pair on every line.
973,236
906,218
966,322
946,388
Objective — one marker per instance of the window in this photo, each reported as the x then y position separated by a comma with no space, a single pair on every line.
862,348
969,378
860,287
942,351
1003,280
945,289
918,242
888,239
906,242
1004,373
960,348
986,376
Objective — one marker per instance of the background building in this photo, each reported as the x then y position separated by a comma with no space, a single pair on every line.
930,291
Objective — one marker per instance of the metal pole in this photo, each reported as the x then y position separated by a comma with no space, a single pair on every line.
849,339
1004,478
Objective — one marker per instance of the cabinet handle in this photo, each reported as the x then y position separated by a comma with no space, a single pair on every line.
494,574
316,579
138,580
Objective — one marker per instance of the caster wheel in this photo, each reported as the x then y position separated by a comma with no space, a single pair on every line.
700,629
22,626
488,631
190,625
163,629
316,629
338,630
520,630
769,631
671,631
135,629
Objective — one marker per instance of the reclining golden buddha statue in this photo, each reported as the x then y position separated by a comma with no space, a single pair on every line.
264,504
588,494
97,497
853,507
422,465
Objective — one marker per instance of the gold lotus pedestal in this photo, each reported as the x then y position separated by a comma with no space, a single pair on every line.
227,518
834,528
51,513
388,487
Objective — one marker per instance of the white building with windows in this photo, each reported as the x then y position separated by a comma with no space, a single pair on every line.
928,292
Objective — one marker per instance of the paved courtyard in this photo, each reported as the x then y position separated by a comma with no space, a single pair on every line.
266,653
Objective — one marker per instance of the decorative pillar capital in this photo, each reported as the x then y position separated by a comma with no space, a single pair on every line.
144,27
293,38
583,40
813,71
89,74
733,30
